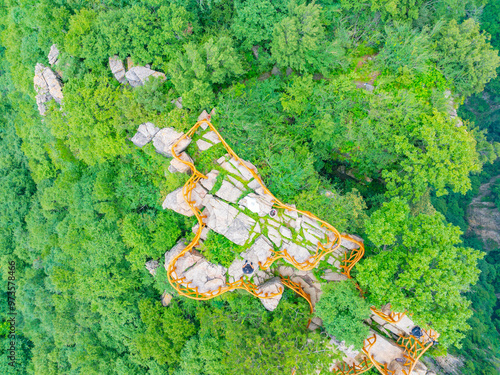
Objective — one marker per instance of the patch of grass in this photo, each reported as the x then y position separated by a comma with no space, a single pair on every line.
218,249
218,182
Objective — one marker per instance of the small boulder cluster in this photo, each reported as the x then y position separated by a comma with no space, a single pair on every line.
134,75
47,82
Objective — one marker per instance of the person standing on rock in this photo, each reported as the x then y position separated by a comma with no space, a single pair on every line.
248,268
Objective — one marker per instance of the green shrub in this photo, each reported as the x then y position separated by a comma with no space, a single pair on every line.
343,310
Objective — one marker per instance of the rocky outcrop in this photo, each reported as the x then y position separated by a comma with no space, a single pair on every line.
270,287
151,266
484,217
227,220
117,68
53,55
165,139
178,166
166,298
144,134
139,75
48,86
175,200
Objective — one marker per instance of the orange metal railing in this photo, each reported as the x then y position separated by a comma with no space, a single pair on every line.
345,369
392,317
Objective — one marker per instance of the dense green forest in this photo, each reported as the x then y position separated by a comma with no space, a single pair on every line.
354,98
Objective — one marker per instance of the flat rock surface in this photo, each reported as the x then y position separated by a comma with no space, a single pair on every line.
229,192
177,166
139,75
145,134
166,138
117,68
269,287
259,251
209,182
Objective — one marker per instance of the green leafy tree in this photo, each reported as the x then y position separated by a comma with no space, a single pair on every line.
298,39
465,57
255,21
421,270
195,71
343,311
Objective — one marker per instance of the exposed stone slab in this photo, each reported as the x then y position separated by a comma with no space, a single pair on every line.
166,298
209,182
177,166
139,75
174,251
48,87
241,169
202,145
299,253
53,54
117,68
175,200
177,102
239,230
348,244
151,266
166,138
229,167
212,137
333,276
285,232
229,192
254,184
219,214
145,134
274,236
204,116
271,286
235,270
260,251
256,204
204,231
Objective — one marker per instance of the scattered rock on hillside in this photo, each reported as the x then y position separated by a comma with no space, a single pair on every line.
229,192
165,139
209,182
48,87
139,75
166,298
53,55
256,204
151,266
177,166
145,134
259,251
174,251
271,286
177,102
117,68
175,200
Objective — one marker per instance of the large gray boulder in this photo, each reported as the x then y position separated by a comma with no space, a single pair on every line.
48,87
165,139
139,75
117,68
271,286
144,134
53,55
260,251
229,192
177,166
175,200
